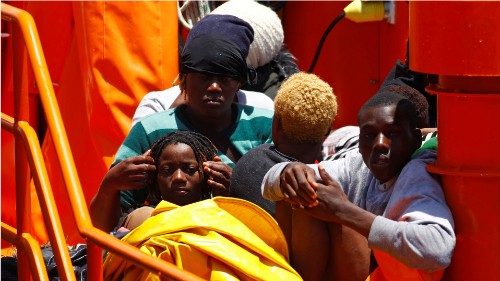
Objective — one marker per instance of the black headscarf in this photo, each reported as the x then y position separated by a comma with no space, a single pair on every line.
218,44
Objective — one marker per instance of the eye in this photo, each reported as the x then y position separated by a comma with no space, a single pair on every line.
166,171
228,80
367,135
393,133
191,169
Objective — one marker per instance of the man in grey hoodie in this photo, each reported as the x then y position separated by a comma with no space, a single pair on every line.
383,192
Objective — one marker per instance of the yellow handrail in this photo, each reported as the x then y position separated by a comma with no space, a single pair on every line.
30,246
58,132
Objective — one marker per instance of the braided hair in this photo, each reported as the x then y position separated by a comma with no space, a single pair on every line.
203,148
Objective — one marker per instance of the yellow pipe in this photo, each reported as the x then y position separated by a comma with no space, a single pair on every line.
30,247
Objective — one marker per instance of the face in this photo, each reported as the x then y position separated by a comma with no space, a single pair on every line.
386,141
210,95
179,179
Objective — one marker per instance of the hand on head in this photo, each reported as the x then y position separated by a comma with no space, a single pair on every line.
131,173
219,176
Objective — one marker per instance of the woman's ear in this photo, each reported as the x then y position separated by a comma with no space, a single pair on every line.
181,81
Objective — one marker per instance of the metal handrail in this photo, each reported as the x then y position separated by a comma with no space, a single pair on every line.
58,132
30,246
24,133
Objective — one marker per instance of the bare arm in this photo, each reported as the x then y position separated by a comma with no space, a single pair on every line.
129,174
333,206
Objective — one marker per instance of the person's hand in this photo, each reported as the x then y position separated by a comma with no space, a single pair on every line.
219,176
298,183
331,198
131,173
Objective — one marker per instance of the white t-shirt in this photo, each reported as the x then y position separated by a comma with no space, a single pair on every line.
162,100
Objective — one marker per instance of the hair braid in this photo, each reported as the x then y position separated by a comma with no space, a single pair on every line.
203,148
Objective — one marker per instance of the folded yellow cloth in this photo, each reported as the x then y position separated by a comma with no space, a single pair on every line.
216,239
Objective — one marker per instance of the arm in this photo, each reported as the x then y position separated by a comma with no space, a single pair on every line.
334,206
295,182
428,246
418,228
128,170
129,174
270,187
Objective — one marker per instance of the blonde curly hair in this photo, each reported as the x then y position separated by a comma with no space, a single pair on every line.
306,107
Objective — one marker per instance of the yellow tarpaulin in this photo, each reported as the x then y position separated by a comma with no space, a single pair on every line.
216,239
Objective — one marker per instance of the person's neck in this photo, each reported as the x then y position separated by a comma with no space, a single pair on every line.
305,153
209,124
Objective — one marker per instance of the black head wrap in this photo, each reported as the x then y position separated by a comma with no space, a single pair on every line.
218,44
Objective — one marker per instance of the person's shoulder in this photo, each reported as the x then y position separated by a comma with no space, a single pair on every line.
165,97
255,99
423,157
260,158
416,168
263,148
250,112
159,120
351,163
255,154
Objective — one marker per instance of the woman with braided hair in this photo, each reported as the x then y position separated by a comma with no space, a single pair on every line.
213,68
178,176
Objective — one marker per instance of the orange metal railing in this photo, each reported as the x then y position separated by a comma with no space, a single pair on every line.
26,243
25,135
25,35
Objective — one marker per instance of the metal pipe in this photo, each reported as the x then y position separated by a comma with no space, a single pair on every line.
27,244
458,41
54,122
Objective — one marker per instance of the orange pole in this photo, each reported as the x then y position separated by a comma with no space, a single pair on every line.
58,132
25,135
94,264
21,112
459,42
30,247
29,138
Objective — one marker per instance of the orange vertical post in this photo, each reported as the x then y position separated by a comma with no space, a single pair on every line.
21,113
94,262
459,42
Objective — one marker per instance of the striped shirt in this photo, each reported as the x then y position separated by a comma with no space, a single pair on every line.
251,128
